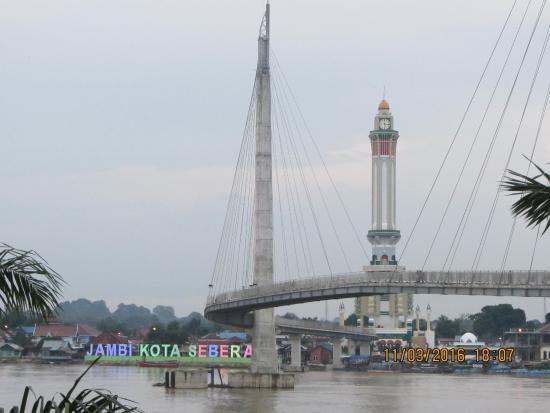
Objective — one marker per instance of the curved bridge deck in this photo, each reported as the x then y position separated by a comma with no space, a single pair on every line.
234,307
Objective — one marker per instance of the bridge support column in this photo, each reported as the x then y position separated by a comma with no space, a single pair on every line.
264,351
351,347
295,350
337,353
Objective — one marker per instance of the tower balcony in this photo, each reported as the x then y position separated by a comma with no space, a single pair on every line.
384,236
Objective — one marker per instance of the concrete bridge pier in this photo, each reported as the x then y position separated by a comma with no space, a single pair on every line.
364,348
337,353
352,347
356,348
295,350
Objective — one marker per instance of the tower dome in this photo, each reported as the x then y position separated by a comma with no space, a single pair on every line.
383,105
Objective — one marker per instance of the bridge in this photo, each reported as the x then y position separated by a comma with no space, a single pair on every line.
235,307
323,328
244,288
336,331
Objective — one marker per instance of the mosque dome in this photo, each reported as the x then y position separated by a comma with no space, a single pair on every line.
384,105
467,338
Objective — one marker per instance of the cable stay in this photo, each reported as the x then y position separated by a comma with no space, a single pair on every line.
459,233
458,130
487,227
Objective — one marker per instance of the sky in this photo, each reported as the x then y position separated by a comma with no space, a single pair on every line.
121,123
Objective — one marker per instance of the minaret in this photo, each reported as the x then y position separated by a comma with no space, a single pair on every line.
342,314
384,234
263,337
417,319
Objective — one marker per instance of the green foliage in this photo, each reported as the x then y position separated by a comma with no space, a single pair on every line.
533,324
173,333
133,316
112,326
15,318
21,339
127,318
494,320
446,327
351,320
547,318
83,311
165,314
27,283
534,201
291,316
87,401
178,332
423,324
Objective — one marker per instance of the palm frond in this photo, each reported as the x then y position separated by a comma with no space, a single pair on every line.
534,192
27,283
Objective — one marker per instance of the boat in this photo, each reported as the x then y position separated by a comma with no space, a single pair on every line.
160,365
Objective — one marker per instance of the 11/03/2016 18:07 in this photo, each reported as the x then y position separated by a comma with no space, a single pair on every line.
448,355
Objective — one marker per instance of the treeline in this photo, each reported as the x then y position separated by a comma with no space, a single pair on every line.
489,324
126,319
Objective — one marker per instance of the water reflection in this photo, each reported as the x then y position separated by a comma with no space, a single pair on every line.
324,392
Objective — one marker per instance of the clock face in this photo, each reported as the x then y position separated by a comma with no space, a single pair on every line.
384,123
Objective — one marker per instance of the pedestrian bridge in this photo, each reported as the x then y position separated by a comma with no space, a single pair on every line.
235,307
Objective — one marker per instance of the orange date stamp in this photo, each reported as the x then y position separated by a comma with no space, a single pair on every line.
448,355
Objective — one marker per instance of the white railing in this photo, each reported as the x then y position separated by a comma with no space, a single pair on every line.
480,279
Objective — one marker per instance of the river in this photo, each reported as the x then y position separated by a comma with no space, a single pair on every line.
330,392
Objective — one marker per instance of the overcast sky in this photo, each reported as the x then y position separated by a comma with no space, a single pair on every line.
121,123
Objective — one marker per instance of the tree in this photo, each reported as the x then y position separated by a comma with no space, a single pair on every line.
27,283
533,324
465,323
351,320
494,320
446,327
547,318
165,314
423,324
133,316
111,325
534,201
83,311
291,316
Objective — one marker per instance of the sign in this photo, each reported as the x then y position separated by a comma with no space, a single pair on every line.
170,350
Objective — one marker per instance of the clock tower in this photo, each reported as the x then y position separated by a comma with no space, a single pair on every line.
385,311
384,234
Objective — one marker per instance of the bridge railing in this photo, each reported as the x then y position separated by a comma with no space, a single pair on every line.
484,279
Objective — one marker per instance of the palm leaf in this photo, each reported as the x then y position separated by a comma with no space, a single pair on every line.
534,201
27,283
